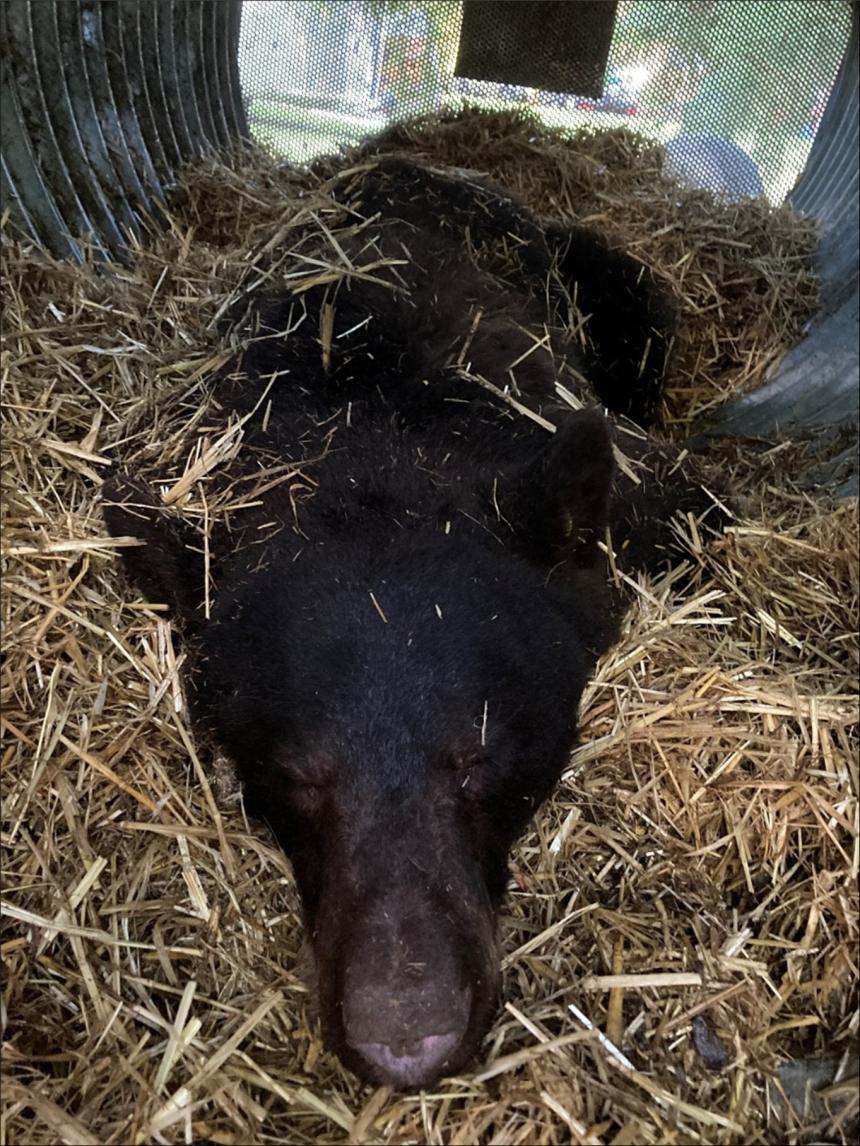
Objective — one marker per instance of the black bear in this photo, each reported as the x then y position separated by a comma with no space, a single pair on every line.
395,652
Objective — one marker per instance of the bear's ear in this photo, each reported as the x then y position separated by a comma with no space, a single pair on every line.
168,568
558,504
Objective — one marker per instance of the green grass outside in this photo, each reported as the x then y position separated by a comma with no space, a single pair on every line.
300,134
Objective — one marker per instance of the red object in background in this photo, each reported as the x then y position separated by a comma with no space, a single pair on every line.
611,103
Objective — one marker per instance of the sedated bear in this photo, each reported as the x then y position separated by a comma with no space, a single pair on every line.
395,654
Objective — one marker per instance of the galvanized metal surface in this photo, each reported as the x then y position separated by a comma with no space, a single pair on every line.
818,381
102,102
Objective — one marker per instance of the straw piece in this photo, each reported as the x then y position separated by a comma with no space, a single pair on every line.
67,1128
645,979
172,1109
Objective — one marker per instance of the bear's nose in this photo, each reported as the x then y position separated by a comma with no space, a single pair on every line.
411,1062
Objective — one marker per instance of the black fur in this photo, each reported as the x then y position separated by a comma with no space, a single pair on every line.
399,640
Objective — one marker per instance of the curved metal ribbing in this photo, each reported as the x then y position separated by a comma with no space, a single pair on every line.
818,381
102,103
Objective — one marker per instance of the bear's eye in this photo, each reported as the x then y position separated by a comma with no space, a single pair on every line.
469,770
306,797
306,784
305,779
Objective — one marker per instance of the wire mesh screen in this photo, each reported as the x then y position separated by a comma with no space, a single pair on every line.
735,89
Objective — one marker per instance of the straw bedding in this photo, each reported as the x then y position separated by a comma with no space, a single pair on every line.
683,914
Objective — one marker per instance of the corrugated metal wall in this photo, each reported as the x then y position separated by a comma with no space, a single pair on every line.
102,103
818,382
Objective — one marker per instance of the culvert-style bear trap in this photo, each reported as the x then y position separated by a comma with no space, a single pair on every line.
690,889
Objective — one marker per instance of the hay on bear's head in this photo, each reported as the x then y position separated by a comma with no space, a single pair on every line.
683,912
739,270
